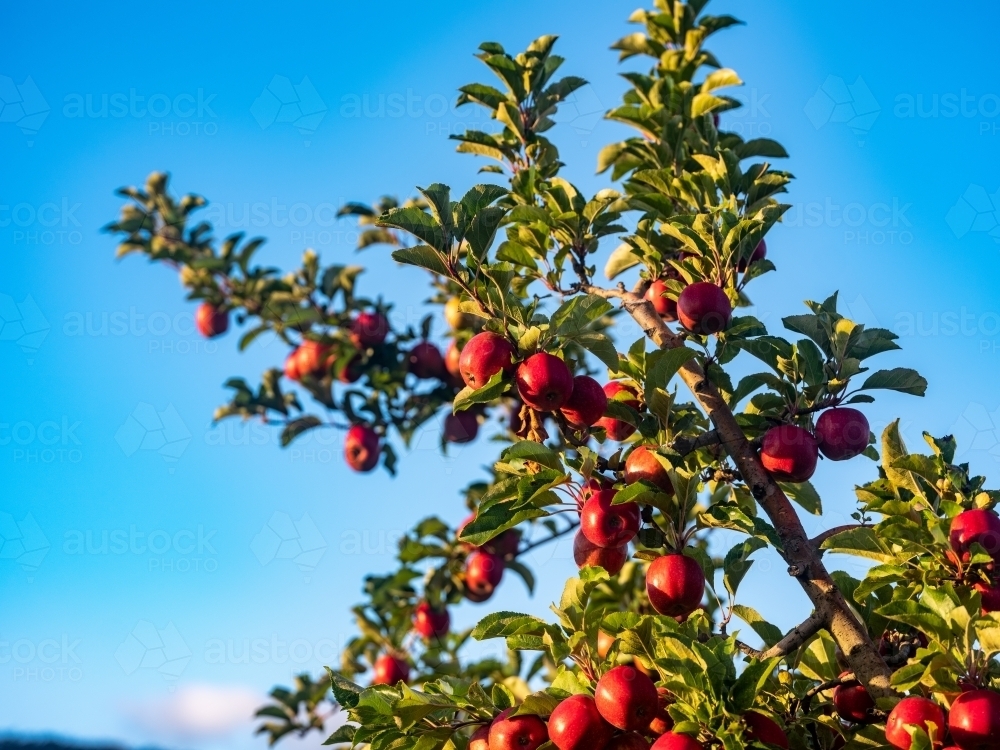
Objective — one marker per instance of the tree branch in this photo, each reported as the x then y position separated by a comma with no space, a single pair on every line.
804,562
795,638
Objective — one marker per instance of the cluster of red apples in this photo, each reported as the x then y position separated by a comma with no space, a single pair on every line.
626,712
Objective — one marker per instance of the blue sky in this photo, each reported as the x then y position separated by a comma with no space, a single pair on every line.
892,206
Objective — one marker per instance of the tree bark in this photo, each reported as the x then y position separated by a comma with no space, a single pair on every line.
804,561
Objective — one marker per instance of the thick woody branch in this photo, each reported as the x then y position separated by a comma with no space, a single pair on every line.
804,562
795,638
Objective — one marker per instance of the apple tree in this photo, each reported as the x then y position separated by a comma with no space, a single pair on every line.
640,450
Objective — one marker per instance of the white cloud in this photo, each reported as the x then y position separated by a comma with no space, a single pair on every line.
198,711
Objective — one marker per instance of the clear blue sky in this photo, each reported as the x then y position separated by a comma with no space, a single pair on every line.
893,210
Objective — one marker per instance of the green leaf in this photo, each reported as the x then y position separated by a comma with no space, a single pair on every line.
503,624
768,633
861,542
423,256
901,379
622,258
346,693
805,495
296,427
417,222
528,450
489,392
912,613
750,683
483,229
601,346
721,78
702,104
662,365
737,563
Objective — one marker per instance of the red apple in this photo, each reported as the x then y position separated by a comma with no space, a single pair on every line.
626,698
484,356
990,596
517,732
974,720
764,729
666,308
461,427
429,622
576,724
662,722
389,670
643,464
673,741
369,329
425,361
789,453
585,553
210,320
842,433
977,525
914,711
483,571
586,404
616,428
351,372
628,741
544,382
675,584
704,308
480,740
362,448
608,525
759,253
853,702
309,358
592,486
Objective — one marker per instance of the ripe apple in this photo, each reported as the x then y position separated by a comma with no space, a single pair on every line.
675,584
425,361
853,702
461,427
626,698
483,571
310,358
704,308
673,741
604,643
585,553
662,722
789,453
608,525
362,448
576,724
764,729
914,711
484,356
616,428
210,320
451,358
369,329
586,404
643,464
544,382
977,525
759,253
456,318
592,486
628,741
666,308
429,622
974,720
480,740
842,433
989,595
389,670
517,732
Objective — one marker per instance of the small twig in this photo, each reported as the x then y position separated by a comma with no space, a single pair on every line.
551,537
795,638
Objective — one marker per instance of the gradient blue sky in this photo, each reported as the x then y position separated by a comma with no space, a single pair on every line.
892,210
